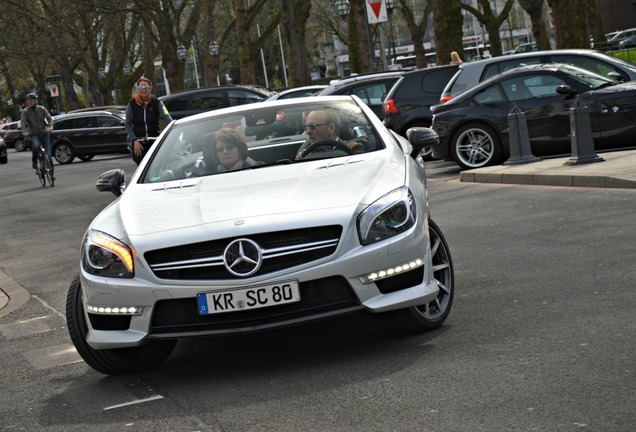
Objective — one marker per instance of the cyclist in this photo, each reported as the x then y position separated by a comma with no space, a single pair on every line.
37,123
142,118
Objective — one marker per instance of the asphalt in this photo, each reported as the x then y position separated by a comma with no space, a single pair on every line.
604,170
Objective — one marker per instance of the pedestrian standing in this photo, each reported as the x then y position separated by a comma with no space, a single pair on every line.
37,123
455,58
142,118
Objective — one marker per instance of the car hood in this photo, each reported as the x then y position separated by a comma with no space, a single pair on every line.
281,195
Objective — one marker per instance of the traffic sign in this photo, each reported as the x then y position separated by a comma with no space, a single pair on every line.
55,92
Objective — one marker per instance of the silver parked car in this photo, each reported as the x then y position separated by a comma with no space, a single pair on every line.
201,244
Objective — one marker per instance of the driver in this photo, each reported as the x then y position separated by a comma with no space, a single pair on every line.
323,125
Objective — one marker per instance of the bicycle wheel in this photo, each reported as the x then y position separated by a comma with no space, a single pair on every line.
40,170
48,171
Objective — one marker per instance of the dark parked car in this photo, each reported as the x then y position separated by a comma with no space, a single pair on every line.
408,103
196,101
471,74
3,152
87,134
12,135
372,88
473,127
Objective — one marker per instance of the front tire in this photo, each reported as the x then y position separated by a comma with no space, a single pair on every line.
476,145
110,361
431,315
63,152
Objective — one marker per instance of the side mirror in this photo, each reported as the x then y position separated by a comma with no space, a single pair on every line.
615,76
112,181
421,137
565,90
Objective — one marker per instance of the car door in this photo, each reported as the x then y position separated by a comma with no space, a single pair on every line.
79,131
112,132
546,111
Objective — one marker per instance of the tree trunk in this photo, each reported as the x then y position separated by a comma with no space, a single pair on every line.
359,44
295,14
246,62
570,22
534,8
447,21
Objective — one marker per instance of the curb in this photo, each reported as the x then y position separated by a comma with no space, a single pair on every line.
549,180
12,295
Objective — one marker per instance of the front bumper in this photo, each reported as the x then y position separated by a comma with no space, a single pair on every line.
328,287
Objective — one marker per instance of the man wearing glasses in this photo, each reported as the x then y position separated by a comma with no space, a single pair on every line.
323,125
142,118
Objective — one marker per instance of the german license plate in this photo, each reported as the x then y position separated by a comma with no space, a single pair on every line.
248,298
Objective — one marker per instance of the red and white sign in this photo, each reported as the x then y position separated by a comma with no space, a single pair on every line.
55,92
376,11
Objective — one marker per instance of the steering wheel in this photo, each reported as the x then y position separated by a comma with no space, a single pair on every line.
330,143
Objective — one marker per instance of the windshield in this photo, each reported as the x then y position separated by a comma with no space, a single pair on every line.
589,79
262,135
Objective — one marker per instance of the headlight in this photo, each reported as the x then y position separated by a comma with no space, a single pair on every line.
103,255
392,214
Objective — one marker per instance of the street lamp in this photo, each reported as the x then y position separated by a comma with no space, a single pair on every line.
214,49
390,5
197,55
343,8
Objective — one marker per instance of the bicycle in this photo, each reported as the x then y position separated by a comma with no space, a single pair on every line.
44,168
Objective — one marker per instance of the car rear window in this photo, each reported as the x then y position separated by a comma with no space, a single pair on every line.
435,81
499,67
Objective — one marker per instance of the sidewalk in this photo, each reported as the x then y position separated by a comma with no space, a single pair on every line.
12,295
618,170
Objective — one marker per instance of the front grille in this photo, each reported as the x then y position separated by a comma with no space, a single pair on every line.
320,297
281,250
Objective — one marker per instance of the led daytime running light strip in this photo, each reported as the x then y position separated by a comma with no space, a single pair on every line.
115,310
115,247
392,271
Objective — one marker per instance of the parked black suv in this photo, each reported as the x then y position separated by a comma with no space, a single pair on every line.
408,103
189,102
87,134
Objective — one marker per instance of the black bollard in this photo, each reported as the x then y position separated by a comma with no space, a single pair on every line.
581,135
519,140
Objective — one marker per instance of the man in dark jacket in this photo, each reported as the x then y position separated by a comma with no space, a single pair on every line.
37,123
142,118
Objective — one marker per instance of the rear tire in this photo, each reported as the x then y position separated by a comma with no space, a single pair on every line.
86,158
110,361
431,315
